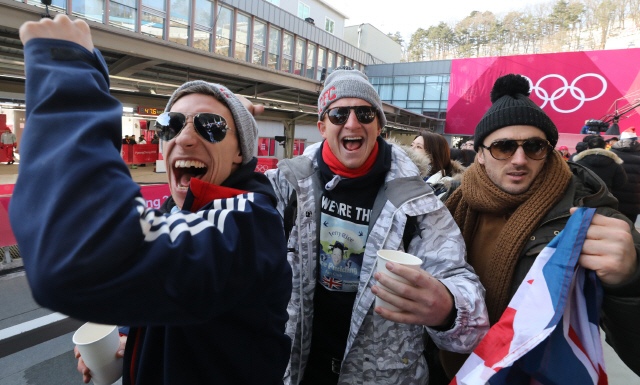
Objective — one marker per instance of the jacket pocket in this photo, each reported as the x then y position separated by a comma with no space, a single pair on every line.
396,345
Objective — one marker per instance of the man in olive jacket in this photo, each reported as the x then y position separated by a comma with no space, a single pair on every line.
519,195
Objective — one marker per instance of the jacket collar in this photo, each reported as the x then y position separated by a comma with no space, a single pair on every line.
598,151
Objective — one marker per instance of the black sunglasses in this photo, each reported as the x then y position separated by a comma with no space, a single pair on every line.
340,115
536,149
211,127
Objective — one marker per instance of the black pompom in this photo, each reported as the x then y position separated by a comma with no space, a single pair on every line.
511,84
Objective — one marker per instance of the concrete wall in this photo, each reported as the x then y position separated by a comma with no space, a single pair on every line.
374,42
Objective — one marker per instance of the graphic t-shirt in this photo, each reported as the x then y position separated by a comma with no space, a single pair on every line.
343,230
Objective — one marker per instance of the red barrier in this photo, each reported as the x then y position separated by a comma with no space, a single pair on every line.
145,153
154,196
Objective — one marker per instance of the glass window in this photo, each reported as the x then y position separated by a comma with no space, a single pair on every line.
330,61
259,42
300,51
401,79
399,103
90,9
400,92
432,91
340,62
416,79
322,55
202,38
56,5
180,15
204,13
274,48
329,25
303,10
156,4
386,92
311,58
373,80
123,13
415,105
432,79
444,95
152,25
416,91
431,105
274,2
287,52
443,105
243,26
224,31
388,80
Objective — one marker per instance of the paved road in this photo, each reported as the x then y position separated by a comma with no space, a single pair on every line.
52,362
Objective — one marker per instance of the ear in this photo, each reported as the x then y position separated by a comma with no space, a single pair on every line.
237,156
323,129
481,156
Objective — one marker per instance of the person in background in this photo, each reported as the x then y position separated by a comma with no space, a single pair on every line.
155,139
468,144
9,142
564,150
628,149
606,164
444,175
465,157
580,146
142,140
611,142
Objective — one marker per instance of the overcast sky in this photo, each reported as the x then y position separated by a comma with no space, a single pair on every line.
407,16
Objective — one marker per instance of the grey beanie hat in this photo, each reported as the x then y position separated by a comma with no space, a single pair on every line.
512,107
246,127
346,82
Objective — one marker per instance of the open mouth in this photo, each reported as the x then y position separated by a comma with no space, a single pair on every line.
352,143
184,170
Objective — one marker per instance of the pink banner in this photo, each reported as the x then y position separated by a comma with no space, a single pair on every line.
145,153
571,87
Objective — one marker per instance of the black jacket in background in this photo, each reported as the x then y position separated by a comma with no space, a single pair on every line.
629,196
606,164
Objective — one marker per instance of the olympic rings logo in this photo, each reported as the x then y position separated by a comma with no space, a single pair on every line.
576,92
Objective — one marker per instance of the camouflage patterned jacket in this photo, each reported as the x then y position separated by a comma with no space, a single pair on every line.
379,351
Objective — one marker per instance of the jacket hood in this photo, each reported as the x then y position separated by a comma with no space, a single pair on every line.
598,157
627,145
421,159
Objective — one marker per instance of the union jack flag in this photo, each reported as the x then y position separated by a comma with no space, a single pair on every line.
332,283
549,333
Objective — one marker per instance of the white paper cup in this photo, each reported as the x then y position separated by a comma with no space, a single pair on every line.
398,257
98,345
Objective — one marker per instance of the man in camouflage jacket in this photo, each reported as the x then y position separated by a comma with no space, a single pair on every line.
446,300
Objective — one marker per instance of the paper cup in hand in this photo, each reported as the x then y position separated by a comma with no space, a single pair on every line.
98,345
397,257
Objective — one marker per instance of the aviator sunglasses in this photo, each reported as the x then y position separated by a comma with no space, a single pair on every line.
340,115
211,127
536,149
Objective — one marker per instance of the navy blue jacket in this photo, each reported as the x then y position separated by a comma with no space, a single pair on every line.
205,292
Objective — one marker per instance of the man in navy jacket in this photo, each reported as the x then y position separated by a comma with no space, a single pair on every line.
204,283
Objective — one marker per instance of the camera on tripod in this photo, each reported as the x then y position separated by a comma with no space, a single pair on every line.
597,125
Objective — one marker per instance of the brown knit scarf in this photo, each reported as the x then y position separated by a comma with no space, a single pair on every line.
479,194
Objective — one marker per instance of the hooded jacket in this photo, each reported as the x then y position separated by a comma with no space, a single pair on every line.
605,164
629,196
205,292
379,351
